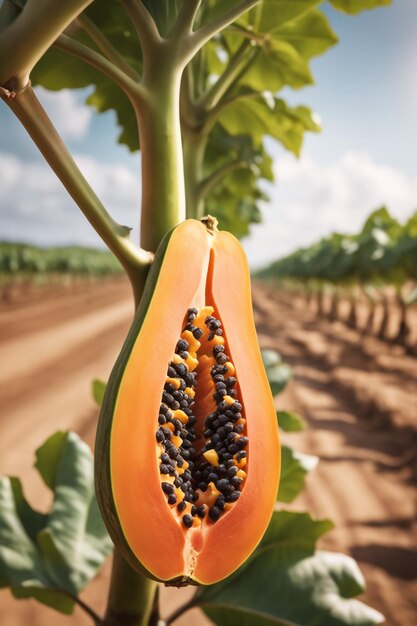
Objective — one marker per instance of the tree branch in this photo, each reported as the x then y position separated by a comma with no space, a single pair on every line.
29,36
206,32
185,19
106,46
146,28
132,89
31,114
213,95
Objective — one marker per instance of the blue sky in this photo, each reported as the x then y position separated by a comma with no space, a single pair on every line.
365,93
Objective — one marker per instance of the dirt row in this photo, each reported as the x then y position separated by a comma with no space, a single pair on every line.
357,396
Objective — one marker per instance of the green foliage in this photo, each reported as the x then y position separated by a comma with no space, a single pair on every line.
98,387
278,372
58,70
294,468
27,259
356,6
287,582
383,252
53,557
268,115
287,35
290,422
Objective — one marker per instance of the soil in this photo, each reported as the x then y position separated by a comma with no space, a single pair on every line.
356,393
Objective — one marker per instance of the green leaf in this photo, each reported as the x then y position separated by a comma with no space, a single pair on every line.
278,372
51,557
267,115
310,35
290,422
277,64
274,14
48,457
286,583
294,468
356,6
98,387
294,528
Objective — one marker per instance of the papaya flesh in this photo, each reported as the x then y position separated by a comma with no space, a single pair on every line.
187,448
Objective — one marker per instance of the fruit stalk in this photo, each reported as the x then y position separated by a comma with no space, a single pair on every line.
131,596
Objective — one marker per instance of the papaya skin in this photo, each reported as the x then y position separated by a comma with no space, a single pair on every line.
193,267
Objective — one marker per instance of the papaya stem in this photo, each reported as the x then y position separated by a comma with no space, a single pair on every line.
163,187
130,86
31,114
131,596
214,94
106,46
206,32
195,142
145,26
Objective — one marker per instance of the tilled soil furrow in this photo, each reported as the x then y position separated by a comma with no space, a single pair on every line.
356,484
53,305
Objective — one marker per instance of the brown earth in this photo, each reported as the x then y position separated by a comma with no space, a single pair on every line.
356,393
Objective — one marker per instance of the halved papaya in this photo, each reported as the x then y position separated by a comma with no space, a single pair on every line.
187,448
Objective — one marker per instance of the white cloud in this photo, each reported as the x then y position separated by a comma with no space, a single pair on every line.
34,206
71,118
311,200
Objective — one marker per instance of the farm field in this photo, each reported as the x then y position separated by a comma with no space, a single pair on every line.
357,395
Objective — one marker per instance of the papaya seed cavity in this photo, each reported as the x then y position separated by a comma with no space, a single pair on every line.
200,436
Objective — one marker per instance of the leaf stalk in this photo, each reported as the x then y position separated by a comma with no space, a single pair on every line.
33,117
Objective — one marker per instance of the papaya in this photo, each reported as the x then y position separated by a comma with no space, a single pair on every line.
187,454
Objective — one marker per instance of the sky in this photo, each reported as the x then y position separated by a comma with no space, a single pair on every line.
365,94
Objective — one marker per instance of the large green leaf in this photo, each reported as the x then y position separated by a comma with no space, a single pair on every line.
272,15
53,557
290,422
278,63
310,35
294,528
267,115
286,583
356,6
294,468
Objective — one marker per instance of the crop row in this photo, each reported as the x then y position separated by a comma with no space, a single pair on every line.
24,259
374,266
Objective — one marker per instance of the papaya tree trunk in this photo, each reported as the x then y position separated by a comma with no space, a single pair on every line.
334,309
352,318
369,323
382,332
131,597
403,329
195,143
163,189
320,302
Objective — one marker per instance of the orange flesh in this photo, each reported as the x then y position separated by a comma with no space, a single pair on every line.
206,552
